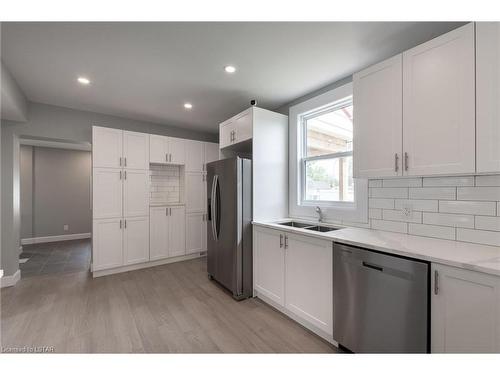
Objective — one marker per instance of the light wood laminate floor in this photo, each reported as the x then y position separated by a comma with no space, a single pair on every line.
168,309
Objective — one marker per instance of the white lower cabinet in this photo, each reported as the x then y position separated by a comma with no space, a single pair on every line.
296,273
167,232
136,240
309,280
107,244
196,233
465,314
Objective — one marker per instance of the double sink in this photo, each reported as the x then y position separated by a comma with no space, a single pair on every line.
316,228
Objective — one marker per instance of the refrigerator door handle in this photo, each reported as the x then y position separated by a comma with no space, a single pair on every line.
213,206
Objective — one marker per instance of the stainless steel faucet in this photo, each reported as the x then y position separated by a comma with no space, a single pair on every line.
320,214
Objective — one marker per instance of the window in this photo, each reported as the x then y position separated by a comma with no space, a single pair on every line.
327,153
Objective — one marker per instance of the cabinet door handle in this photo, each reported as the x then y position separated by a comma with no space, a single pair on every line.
166,157
281,241
125,159
396,162
166,211
120,175
125,173
125,226
169,212
286,241
120,223
120,161
436,282
406,161
170,157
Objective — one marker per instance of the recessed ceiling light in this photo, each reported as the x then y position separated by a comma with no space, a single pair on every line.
188,105
83,80
230,69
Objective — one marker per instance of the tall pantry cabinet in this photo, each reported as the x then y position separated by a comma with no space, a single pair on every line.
120,188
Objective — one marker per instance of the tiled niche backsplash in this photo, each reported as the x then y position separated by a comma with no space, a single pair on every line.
454,208
165,184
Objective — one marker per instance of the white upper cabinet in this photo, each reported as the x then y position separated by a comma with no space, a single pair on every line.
107,193
107,147
136,240
135,193
439,105
211,153
488,97
237,129
378,125
465,309
166,150
135,150
195,156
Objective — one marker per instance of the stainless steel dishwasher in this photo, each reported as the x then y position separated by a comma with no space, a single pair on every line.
380,302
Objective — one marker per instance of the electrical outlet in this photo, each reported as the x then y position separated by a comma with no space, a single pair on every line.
407,210
66,227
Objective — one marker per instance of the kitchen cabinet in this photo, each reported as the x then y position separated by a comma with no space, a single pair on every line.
195,185
211,153
439,105
135,150
378,124
488,97
136,240
107,243
309,280
465,311
135,193
166,150
237,129
167,232
196,233
107,193
269,264
195,156
107,147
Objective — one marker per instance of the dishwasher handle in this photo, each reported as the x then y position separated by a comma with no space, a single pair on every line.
373,266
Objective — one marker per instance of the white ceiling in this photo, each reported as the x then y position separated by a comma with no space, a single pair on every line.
146,71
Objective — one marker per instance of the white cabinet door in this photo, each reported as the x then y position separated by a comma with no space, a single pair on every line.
269,264
195,192
158,145
226,134
135,193
107,244
309,280
158,233
135,150
107,193
196,233
176,151
439,105
195,158
107,147
211,153
378,125
243,126
136,240
176,231
488,97
465,311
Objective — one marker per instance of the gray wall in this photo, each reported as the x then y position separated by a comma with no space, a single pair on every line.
55,190
56,123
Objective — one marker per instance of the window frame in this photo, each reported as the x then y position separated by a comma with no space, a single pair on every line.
337,212
304,158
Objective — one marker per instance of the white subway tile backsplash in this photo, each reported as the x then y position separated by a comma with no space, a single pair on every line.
448,181
381,203
425,230
478,193
488,180
388,192
375,183
402,182
397,215
433,193
165,184
449,220
390,226
467,207
375,213
484,237
417,204
488,223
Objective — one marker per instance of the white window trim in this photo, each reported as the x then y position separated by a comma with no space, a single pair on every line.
334,212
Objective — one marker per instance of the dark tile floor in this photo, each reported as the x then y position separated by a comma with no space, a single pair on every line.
55,258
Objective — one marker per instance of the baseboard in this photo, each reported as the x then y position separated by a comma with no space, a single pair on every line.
138,266
11,280
63,237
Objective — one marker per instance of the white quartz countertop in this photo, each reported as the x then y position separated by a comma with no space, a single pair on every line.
164,204
469,256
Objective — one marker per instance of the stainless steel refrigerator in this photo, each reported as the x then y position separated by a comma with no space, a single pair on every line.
229,231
